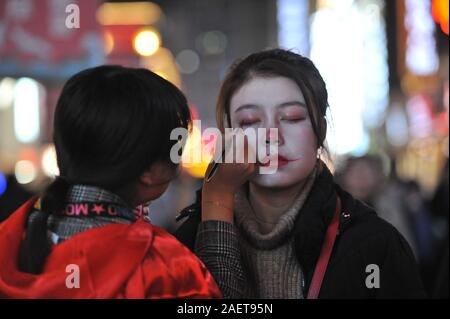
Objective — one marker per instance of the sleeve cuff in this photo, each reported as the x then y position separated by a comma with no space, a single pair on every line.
215,237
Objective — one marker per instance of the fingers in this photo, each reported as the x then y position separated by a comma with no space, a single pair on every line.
235,154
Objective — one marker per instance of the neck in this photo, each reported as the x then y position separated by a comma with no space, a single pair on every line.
269,204
128,195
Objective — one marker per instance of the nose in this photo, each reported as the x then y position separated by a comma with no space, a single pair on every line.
274,136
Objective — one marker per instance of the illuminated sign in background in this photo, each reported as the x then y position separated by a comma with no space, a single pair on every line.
35,41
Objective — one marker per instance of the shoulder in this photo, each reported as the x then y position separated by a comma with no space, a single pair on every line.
368,241
171,270
152,263
362,226
161,243
360,220
365,223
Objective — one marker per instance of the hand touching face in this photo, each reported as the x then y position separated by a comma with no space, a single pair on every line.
277,102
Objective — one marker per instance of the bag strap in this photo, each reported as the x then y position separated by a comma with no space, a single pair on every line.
325,254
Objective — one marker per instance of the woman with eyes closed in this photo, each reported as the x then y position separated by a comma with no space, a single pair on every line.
293,233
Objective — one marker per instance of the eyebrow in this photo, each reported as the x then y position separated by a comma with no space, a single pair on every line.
292,103
282,105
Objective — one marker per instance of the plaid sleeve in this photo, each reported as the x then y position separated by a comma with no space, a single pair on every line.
217,246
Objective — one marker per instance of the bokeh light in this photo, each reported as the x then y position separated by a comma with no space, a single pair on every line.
6,92
3,183
49,162
356,74
128,13
109,42
440,9
25,172
293,25
147,42
195,159
26,110
187,61
212,42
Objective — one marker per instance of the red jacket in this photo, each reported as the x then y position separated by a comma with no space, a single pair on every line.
114,261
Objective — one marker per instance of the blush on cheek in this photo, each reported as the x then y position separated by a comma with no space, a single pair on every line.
299,134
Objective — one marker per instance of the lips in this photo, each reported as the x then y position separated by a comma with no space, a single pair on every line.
282,161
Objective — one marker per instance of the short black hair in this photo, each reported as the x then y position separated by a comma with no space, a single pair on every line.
110,124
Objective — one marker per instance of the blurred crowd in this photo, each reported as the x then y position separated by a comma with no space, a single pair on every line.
422,219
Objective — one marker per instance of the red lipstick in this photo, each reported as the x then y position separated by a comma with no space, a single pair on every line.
282,161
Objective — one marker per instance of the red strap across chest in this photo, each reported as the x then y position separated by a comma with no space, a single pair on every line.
325,254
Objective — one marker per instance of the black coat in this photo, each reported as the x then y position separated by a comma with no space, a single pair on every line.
363,239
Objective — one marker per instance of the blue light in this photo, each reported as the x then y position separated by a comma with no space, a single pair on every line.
293,25
3,184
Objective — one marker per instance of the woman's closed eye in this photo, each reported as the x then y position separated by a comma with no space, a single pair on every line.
247,123
292,114
292,118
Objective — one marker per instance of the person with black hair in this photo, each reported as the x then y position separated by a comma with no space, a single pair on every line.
88,235
294,233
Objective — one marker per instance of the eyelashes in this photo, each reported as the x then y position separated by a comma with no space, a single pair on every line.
245,124
291,120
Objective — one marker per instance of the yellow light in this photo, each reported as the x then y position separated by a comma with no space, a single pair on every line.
192,149
439,9
49,162
109,42
163,75
6,92
25,172
162,63
147,42
198,170
194,160
128,13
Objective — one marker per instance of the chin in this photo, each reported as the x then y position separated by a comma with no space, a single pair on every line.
283,178
276,180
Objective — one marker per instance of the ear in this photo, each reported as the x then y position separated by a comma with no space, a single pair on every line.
147,177
155,175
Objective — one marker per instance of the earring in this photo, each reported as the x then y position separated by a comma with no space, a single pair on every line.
319,152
